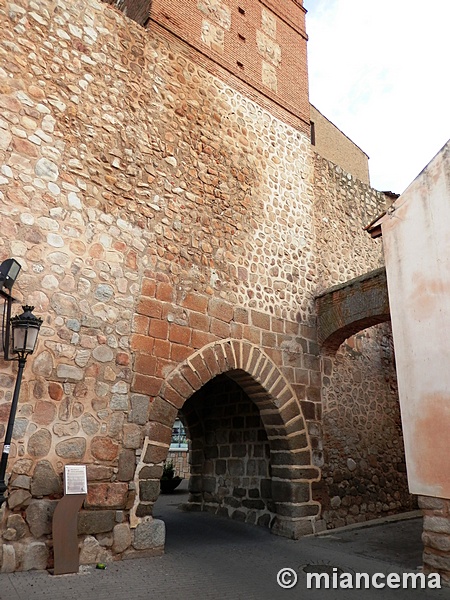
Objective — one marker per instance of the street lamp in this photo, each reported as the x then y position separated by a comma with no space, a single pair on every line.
24,329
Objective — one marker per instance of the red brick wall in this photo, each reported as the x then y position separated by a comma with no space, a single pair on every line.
240,26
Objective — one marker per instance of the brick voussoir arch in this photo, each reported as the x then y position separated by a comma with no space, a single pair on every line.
348,308
255,372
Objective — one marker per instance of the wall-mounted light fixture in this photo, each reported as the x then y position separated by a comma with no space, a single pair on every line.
19,337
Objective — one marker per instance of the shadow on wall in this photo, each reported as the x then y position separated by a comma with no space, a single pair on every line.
364,472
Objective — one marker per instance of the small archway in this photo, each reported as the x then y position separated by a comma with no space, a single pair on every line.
292,472
345,309
364,471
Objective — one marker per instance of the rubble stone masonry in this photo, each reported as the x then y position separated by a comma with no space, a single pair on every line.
170,229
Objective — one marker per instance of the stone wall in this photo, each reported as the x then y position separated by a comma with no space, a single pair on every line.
364,470
180,459
154,210
435,536
360,442
230,467
343,206
166,228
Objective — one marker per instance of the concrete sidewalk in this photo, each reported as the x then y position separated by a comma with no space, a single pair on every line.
214,558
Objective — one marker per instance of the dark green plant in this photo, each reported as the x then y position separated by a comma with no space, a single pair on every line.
168,470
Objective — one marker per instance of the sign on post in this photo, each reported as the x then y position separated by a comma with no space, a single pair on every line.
75,479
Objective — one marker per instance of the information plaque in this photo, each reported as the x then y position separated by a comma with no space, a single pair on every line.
75,479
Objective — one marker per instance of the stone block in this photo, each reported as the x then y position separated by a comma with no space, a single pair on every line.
436,524
17,523
149,534
69,372
105,539
121,538
96,521
209,484
235,467
296,511
239,492
45,481
144,509
292,529
35,556
158,432
254,504
264,520
99,472
436,561
239,515
127,465
195,484
162,412
21,481
266,488
39,443
221,467
103,448
429,503
149,490
139,409
155,454
436,541
8,559
91,552
19,499
154,472
287,491
132,436
73,448
39,515
107,495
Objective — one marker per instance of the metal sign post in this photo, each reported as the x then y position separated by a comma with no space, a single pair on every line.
65,518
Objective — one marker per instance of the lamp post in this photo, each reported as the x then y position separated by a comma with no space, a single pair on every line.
24,329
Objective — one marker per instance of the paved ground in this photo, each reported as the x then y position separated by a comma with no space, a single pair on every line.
209,557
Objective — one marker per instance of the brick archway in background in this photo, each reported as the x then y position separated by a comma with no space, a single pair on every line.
281,415
347,308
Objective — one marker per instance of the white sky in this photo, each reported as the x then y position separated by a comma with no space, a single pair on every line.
380,72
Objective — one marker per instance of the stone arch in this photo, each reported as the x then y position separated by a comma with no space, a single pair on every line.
348,308
280,412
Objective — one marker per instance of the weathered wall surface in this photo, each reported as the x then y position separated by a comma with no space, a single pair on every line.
343,206
333,145
416,242
154,210
230,457
166,229
363,472
260,44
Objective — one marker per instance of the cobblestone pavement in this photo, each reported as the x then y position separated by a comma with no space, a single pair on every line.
210,557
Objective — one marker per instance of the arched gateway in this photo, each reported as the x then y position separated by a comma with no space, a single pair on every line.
290,454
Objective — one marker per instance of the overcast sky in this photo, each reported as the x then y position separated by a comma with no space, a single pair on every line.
380,72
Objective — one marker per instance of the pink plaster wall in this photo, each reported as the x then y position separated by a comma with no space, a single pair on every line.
416,238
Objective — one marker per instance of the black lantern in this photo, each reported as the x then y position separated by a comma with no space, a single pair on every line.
25,329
